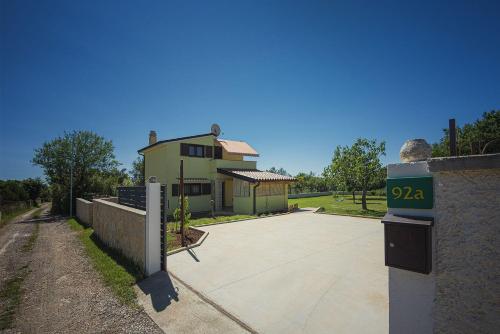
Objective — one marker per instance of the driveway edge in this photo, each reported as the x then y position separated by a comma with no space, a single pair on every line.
219,308
245,219
346,215
198,243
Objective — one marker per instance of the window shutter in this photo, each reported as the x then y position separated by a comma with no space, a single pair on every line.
175,190
207,188
218,152
184,149
208,152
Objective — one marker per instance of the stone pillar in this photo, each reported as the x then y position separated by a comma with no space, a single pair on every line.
411,294
460,294
153,233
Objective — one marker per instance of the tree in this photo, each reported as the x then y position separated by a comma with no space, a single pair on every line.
367,164
482,136
105,183
341,172
13,191
280,171
34,188
357,167
90,156
137,172
309,182
177,214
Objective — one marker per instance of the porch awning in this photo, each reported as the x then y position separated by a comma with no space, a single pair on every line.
195,179
238,147
254,175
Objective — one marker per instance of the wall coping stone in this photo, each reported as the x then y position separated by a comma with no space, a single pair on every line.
123,207
470,162
83,200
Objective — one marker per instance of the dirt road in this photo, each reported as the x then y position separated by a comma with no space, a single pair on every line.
61,292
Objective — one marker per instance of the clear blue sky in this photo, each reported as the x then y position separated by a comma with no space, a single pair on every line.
294,79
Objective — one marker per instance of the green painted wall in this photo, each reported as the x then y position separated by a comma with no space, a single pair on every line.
163,161
228,192
243,205
272,203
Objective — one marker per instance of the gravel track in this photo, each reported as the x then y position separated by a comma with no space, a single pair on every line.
64,294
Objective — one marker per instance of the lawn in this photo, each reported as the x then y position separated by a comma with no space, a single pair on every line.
217,219
119,273
343,205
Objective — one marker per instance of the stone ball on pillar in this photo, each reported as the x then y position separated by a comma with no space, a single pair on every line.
415,150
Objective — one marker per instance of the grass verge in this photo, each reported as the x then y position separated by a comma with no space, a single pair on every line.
11,297
343,204
11,293
37,213
118,273
217,219
28,246
6,218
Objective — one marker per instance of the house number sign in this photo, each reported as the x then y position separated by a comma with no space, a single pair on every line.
410,192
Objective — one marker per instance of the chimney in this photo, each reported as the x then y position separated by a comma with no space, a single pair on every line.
152,137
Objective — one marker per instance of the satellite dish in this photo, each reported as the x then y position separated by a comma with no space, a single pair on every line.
215,129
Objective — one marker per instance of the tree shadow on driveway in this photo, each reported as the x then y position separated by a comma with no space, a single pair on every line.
161,289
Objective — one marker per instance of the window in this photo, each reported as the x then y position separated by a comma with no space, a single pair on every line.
193,189
175,190
192,150
218,152
206,188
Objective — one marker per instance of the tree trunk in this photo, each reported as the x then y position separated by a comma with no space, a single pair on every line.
363,200
354,197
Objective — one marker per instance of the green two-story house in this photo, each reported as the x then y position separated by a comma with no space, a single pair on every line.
215,174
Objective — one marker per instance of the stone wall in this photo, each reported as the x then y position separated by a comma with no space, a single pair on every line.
84,211
467,268
121,228
460,295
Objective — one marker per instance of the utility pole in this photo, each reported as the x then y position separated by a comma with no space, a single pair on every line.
71,179
181,189
453,137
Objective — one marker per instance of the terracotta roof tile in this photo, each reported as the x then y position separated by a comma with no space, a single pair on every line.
254,175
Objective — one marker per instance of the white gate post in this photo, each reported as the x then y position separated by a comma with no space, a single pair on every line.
153,221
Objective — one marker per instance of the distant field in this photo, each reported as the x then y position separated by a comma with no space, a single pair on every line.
343,204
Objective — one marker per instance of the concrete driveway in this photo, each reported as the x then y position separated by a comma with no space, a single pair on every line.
296,273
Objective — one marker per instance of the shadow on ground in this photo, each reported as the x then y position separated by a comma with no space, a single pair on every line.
161,289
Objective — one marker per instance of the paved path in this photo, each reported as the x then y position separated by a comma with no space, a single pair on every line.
297,273
177,309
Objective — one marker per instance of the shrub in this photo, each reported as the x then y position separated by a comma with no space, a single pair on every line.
177,214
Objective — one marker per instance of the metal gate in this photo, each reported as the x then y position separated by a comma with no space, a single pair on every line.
163,227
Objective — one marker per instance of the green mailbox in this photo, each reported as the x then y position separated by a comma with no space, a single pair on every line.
410,192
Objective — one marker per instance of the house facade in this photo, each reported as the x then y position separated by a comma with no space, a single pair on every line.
215,174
